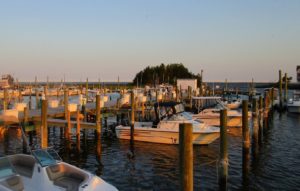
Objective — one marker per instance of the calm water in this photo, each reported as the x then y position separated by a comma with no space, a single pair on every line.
275,166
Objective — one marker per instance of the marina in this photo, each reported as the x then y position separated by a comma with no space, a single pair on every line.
72,128
149,95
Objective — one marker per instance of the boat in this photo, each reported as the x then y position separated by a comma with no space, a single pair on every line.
293,105
211,115
165,129
234,104
44,170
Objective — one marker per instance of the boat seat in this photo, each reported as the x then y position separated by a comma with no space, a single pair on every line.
13,183
69,183
66,177
23,164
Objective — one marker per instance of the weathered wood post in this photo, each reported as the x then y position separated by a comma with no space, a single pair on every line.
5,99
46,92
260,119
98,117
280,90
66,103
285,88
272,98
19,95
246,132
223,161
37,99
30,98
246,141
190,96
25,123
132,117
68,126
201,84
186,156
87,89
78,124
255,121
44,126
143,110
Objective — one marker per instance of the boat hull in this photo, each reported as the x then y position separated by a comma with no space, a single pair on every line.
293,109
154,135
231,122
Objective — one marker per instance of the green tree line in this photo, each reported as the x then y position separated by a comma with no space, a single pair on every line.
162,73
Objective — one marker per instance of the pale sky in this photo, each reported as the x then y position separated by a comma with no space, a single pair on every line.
237,40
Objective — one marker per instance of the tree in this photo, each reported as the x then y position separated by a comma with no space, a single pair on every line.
163,74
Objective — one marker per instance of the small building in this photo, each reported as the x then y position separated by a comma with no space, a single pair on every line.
185,83
6,81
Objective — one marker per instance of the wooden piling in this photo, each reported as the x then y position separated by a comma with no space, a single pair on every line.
255,120
44,126
200,85
186,156
66,102
280,90
5,99
260,118
246,132
37,99
30,98
285,88
25,123
98,117
87,89
272,98
68,125
78,124
223,161
46,92
132,117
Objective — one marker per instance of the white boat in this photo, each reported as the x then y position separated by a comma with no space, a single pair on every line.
166,129
44,170
211,116
235,104
293,104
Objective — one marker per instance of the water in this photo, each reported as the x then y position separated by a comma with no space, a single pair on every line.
275,166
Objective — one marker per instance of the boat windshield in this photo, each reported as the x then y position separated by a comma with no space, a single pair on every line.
179,108
6,168
44,157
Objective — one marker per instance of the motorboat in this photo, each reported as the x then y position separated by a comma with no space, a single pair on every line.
211,115
165,129
44,170
293,104
233,104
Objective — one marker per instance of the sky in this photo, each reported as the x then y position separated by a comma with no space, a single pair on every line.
234,40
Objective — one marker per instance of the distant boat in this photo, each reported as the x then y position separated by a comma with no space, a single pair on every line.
293,104
166,128
44,170
211,115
